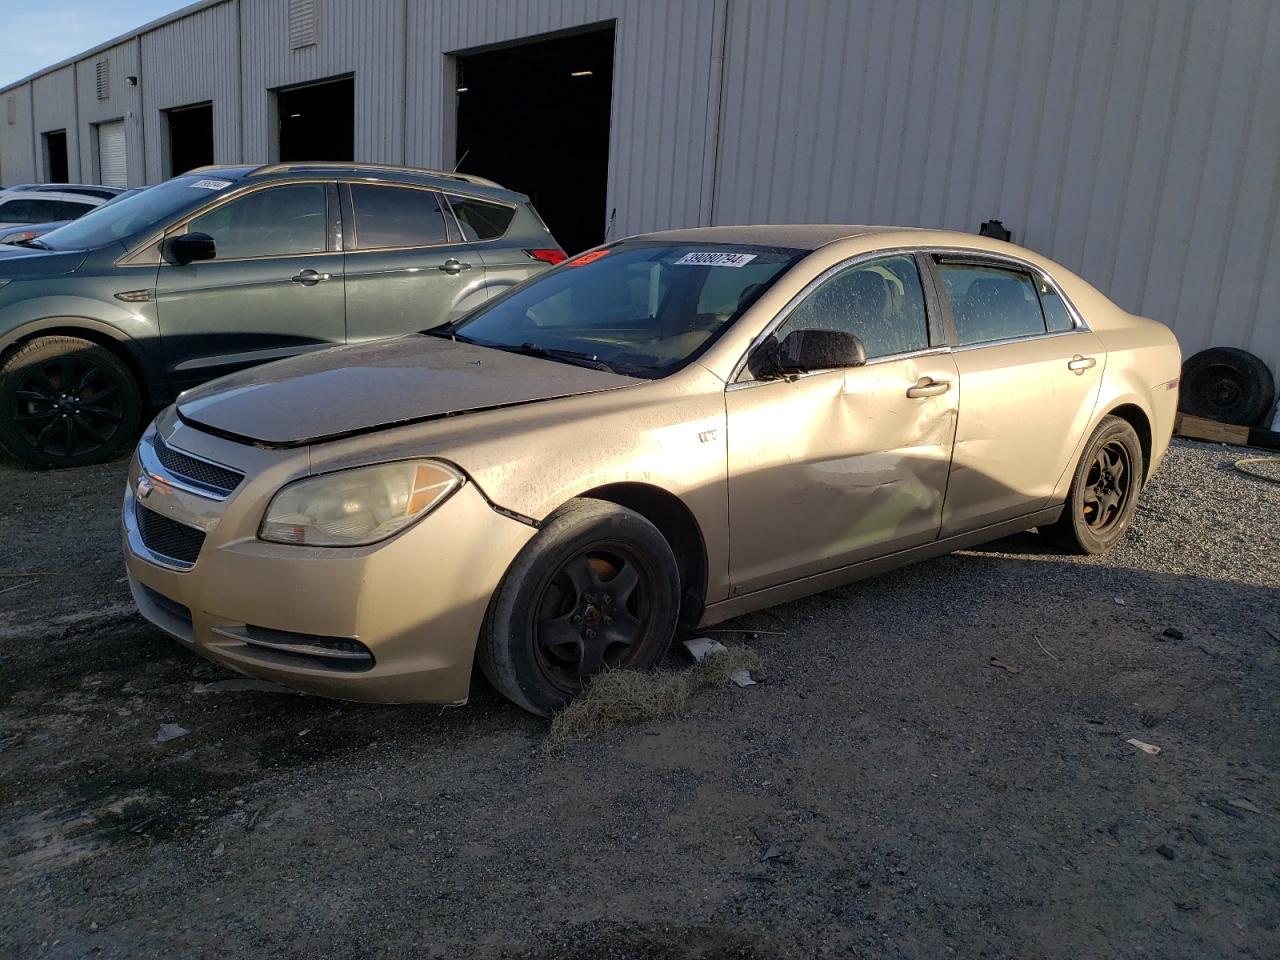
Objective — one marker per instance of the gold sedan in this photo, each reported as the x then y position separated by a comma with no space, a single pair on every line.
654,436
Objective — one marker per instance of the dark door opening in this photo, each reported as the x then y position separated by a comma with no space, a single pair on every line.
318,121
535,118
190,137
55,157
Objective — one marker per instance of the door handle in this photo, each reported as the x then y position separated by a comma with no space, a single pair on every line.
452,266
928,387
1080,364
309,278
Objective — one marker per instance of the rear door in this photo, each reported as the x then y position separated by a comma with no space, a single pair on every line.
512,240
274,289
407,266
1029,376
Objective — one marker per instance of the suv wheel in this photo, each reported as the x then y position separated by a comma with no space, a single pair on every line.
66,402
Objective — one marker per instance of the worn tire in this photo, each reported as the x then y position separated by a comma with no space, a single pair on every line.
1073,531
45,362
509,653
1228,385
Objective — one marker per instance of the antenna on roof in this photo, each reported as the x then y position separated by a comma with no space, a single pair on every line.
460,159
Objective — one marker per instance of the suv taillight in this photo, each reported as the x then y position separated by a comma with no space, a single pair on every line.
551,255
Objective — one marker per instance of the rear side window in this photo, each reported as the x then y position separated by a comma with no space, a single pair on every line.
396,217
69,209
1056,317
991,303
24,210
480,220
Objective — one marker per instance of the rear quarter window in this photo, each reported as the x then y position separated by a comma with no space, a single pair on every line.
479,219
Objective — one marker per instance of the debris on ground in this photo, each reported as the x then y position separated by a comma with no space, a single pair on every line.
772,852
1001,664
1150,748
617,698
244,684
170,731
1173,633
1243,804
703,647
1165,851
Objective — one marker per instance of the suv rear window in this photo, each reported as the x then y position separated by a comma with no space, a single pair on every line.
396,217
480,220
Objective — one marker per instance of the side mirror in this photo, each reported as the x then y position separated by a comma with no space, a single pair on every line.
804,350
188,248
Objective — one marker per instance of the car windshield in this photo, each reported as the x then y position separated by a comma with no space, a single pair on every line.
641,308
127,215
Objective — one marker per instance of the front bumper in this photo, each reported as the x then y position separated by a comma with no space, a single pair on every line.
395,622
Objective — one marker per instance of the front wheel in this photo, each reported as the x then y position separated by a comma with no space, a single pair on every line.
597,587
1104,490
66,402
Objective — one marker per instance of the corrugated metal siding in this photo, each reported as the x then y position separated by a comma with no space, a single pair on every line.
17,157
1137,142
122,103
54,99
188,61
661,92
365,38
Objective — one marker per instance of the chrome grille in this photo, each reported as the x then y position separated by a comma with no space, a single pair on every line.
167,538
192,470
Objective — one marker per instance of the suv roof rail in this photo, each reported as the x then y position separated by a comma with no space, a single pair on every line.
344,165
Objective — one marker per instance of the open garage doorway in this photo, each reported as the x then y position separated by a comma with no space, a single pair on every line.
318,121
535,117
190,137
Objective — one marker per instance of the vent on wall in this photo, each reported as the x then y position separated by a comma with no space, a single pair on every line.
102,71
13,110
302,24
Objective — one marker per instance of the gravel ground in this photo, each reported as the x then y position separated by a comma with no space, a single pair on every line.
912,799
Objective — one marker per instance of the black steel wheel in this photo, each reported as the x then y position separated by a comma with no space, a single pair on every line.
1104,490
66,402
1229,385
597,588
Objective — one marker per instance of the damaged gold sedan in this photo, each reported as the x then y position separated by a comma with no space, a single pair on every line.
656,435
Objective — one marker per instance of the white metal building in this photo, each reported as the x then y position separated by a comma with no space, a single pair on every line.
1135,141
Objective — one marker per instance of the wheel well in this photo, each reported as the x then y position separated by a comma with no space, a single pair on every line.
1137,418
677,524
122,353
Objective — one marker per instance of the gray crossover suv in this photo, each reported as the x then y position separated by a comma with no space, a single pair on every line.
229,266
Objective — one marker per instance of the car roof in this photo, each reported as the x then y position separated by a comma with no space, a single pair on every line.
800,236
440,179
86,198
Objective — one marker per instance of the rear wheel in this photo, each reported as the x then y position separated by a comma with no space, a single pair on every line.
1104,490
597,587
66,402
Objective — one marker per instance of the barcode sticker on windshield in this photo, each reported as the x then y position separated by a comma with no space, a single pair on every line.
715,259
212,184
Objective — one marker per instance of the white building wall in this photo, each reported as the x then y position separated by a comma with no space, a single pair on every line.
122,103
192,60
17,139
1137,143
53,97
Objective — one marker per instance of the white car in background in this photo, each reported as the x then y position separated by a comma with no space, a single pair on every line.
50,202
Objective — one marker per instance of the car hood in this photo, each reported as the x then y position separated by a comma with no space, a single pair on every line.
20,263
355,389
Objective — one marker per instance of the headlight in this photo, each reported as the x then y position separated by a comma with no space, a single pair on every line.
355,507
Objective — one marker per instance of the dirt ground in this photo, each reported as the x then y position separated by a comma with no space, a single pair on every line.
885,792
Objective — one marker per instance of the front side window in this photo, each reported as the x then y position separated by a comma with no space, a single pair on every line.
396,217
642,307
278,221
880,301
480,220
991,303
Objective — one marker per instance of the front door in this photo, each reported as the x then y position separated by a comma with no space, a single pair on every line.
1029,377
405,269
837,466
273,290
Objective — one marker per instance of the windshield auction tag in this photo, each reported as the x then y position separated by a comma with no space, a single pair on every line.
212,184
715,259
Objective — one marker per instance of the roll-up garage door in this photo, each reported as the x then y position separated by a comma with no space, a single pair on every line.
111,155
